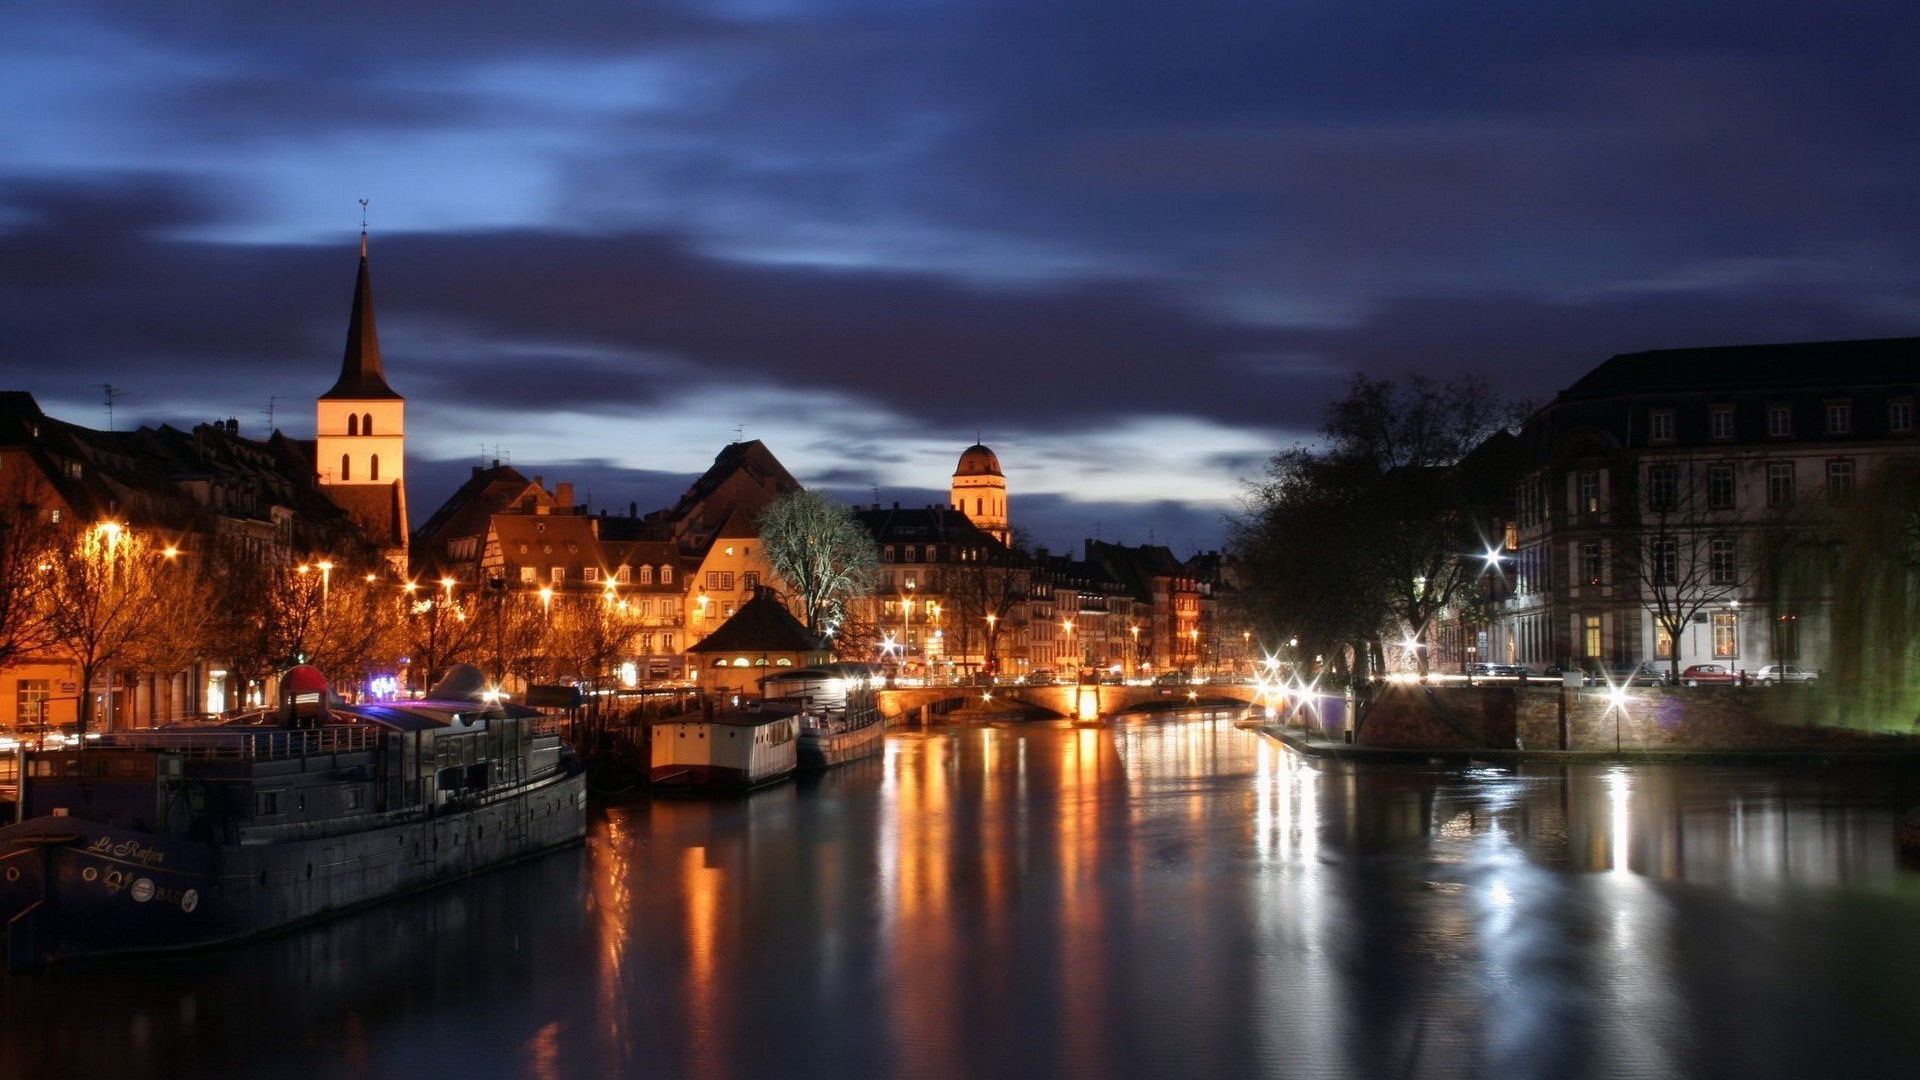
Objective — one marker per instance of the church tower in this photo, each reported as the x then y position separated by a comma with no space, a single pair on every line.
980,492
360,433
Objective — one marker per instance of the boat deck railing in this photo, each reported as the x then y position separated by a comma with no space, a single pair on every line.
267,744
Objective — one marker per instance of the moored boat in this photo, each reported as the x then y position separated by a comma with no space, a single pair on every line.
724,749
840,718
192,836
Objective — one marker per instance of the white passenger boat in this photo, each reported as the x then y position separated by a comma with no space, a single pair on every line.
840,719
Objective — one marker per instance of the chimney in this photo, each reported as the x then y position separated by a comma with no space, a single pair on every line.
563,497
633,509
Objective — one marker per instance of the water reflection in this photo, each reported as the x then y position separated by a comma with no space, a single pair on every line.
1151,897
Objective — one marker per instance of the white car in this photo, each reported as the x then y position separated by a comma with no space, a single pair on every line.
1775,674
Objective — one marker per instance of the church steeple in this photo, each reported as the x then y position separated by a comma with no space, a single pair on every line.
361,377
360,432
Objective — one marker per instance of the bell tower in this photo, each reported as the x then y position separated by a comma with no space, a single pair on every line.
360,431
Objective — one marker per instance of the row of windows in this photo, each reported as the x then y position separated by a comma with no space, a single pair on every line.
346,467
1836,418
622,575
360,425
1666,494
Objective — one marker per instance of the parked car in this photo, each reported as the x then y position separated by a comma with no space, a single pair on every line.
1043,677
1509,671
1709,675
1775,674
1561,671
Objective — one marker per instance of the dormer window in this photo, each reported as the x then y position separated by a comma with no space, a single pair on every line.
1720,421
1779,421
1660,425
1839,417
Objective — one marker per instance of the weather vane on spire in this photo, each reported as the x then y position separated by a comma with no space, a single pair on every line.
363,228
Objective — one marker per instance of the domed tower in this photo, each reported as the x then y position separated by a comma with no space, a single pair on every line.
980,492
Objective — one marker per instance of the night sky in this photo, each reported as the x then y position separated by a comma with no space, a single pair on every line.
1134,246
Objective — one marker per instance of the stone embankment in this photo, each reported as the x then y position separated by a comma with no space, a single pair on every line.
1551,719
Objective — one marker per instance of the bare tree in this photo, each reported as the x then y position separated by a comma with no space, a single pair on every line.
822,552
1683,561
27,538
105,597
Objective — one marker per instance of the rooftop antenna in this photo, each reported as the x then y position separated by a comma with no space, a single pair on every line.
363,228
739,432
111,394
271,398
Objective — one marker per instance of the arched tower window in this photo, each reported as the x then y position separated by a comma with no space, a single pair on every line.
346,467
373,473
353,425
366,424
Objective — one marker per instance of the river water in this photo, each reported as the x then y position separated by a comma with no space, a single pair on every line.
1157,897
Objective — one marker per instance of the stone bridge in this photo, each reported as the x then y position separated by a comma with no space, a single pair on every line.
1084,701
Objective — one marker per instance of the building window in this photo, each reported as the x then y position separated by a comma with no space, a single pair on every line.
1839,481
749,582
646,575
591,573
1590,635
1779,421
373,467
1589,491
353,425
1839,418
366,424
669,609
1720,421
1786,637
559,574
624,575
1662,641
1726,635
31,700
1663,487
346,467
1663,553
1660,425
666,575
529,575
1720,560
269,803
1719,487
1780,483
1900,417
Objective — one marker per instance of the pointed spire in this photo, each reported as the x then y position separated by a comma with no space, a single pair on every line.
361,377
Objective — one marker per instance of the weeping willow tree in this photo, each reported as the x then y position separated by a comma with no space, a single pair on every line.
822,552
1874,675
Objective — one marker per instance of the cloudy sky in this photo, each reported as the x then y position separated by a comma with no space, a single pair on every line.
1135,246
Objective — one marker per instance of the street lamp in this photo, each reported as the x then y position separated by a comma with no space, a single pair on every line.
1135,631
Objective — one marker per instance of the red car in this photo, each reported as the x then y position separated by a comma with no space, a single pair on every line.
1707,674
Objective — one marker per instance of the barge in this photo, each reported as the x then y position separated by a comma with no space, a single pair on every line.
201,835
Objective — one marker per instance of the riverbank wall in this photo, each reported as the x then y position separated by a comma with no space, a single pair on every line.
1552,717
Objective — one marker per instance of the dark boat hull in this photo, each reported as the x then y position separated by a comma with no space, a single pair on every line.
71,888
